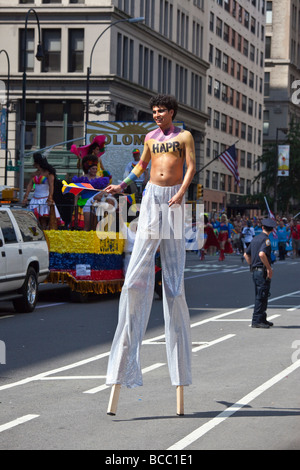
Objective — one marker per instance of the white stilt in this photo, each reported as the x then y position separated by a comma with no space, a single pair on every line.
179,395
113,400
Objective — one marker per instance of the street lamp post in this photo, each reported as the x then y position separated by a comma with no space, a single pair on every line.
7,111
89,69
39,56
284,130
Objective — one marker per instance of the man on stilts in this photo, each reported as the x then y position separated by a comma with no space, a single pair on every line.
162,215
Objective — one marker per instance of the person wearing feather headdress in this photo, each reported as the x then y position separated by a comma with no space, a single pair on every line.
96,148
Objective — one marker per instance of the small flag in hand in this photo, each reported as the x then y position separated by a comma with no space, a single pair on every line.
229,159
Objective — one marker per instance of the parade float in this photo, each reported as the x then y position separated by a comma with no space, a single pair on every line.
88,261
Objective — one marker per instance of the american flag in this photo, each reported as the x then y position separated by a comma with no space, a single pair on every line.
229,159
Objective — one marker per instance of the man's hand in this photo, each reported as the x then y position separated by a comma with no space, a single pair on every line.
176,199
113,189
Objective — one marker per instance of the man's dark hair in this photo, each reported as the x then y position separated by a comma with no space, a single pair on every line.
168,101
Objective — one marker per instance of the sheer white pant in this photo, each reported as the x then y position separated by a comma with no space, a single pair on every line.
158,226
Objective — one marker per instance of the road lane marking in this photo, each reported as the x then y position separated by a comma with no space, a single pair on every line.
74,377
205,428
144,371
294,308
51,305
103,355
17,421
212,343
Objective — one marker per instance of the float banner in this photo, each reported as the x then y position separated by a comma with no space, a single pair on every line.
121,138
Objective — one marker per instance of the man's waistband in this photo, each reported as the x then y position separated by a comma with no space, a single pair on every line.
257,269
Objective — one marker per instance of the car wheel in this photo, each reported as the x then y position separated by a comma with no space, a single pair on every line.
29,292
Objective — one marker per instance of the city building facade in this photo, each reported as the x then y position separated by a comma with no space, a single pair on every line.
130,63
282,69
236,42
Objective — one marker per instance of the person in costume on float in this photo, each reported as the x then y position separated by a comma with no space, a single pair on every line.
168,148
140,182
96,148
42,180
224,237
89,166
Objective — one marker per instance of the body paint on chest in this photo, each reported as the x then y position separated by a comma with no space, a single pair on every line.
167,147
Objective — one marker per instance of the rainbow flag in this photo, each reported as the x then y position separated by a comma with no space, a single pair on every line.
85,190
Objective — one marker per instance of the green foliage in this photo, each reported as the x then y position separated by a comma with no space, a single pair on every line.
288,187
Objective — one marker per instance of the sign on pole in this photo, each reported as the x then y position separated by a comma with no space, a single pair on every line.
283,160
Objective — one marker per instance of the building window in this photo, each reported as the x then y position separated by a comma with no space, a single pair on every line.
196,91
267,84
266,124
211,53
51,1
222,182
208,147
243,131
250,107
164,79
145,65
245,75
226,33
224,92
225,62
76,50
216,119
125,58
218,58
217,89
76,1
207,179
215,149
249,160
223,122
268,47
219,27
52,50
242,186
243,158
215,180
29,50
181,83
209,116
269,14
212,22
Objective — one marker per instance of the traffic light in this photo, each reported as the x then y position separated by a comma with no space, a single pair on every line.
199,190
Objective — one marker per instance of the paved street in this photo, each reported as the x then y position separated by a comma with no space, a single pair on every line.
245,391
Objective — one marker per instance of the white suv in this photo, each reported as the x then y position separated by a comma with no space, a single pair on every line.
24,258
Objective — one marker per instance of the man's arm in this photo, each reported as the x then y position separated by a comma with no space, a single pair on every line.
190,160
247,258
266,263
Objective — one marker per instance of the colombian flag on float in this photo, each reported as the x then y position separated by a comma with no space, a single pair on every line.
86,261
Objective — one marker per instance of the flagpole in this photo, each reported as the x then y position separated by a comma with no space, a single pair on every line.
201,169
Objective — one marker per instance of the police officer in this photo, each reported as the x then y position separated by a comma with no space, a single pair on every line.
258,256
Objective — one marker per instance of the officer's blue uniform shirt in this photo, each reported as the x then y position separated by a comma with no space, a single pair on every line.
259,243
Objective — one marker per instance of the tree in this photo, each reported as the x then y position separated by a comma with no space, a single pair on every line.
288,187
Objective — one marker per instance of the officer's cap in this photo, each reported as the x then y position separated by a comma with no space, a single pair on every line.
268,222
